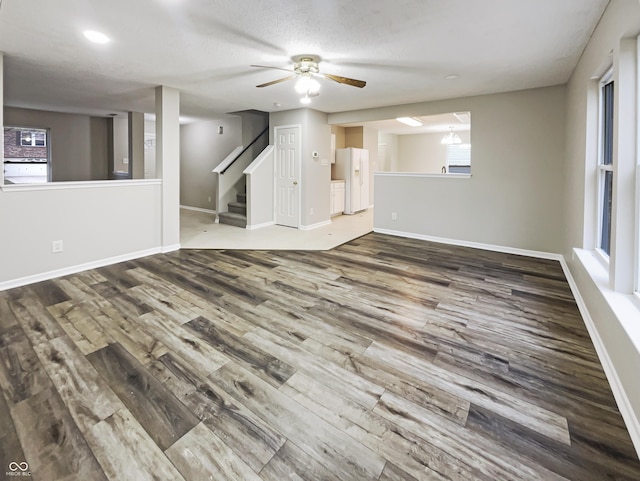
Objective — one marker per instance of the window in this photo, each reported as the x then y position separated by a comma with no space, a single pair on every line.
26,156
33,138
605,164
459,158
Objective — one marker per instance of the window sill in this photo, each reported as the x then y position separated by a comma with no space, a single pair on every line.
90,184
419,174
626,307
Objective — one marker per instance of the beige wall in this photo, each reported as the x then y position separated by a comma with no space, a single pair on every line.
424,152
514,196
340,136
78,142
353,137
201,150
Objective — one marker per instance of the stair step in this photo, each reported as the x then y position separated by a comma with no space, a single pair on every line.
241,198
232,218
238,208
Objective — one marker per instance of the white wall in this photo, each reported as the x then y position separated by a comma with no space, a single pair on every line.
387,146
370,142
201,150
260,177
78,142
96,222
514,197
424,152
120,145
615,330
316,172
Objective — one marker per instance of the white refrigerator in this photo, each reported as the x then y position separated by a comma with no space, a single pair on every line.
352,165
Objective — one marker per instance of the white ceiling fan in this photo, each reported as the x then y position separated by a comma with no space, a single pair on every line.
305,68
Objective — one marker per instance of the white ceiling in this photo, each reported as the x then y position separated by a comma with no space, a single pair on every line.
404,49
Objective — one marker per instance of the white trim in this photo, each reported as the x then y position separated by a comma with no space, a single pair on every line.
631,421
260,226
315,226
170,248
86,184
23,281
257,162
418,174
475,245
227,160
198,209
603,168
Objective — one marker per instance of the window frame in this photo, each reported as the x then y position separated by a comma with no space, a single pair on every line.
605,164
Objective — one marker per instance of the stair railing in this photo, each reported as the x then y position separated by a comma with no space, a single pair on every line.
245,149
229,173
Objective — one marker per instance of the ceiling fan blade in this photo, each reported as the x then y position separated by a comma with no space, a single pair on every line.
346,80
268,66
273,82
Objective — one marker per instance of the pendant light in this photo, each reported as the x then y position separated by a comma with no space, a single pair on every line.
451,138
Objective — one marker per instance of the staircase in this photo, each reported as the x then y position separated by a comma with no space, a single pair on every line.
237,214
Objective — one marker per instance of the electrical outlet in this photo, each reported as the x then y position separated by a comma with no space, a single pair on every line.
394,216
209,199
311,211
57,246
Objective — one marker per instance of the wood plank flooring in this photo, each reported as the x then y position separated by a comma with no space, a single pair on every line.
384,359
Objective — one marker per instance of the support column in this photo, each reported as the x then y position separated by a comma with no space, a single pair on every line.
136,145
2,117
168,163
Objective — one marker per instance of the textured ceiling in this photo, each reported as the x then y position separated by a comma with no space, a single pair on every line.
404,49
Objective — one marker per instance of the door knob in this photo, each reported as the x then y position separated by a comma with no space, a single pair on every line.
295,182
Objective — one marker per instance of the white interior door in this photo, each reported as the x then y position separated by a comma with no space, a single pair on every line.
288,176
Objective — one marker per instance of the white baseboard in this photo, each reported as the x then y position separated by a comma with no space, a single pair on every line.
260,226
45,276
198,209
315,226
475,245
631,421
170,248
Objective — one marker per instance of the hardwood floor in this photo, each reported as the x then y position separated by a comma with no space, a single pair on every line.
383,359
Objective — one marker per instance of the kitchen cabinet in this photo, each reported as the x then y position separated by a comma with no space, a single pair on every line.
25,169
337,196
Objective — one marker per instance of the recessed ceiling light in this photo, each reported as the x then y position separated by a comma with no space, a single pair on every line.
453,76
96,37
410,121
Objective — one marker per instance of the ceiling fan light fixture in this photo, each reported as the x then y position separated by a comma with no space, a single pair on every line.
306,84
451,138
410,121
96,37
305,100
